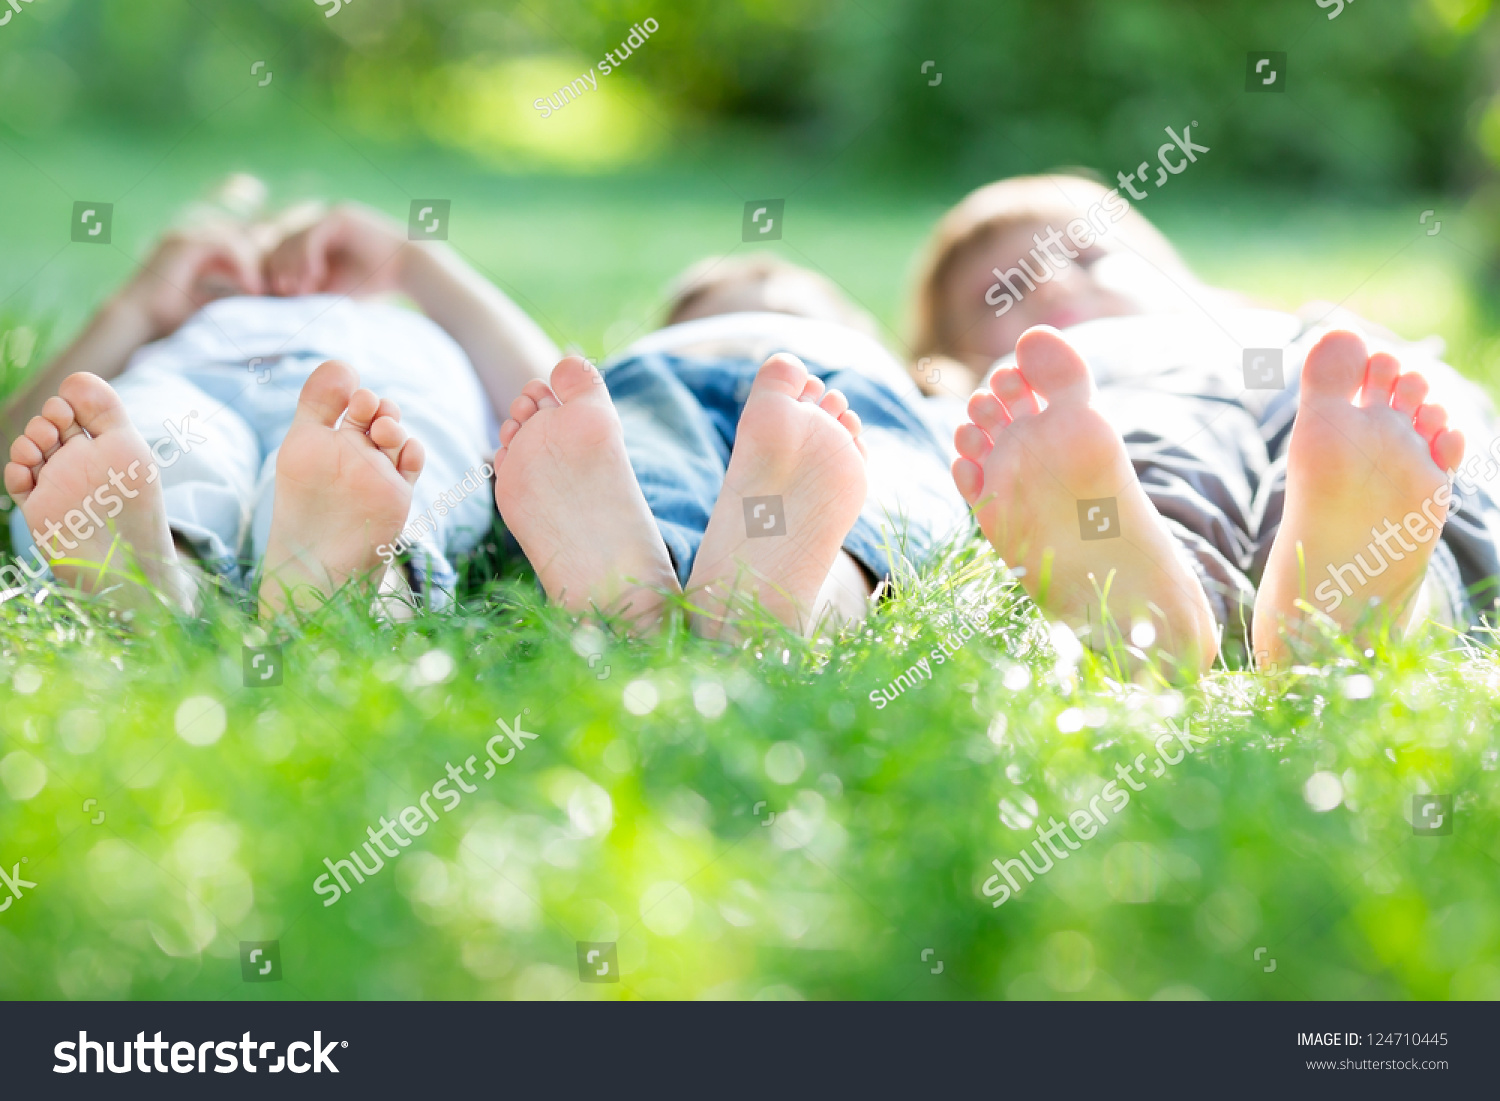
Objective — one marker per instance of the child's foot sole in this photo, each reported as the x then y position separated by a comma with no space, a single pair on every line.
91,494
1053,490
1366,496
795,485
342,493
566,490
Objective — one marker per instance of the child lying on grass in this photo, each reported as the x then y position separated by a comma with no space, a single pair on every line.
755,450
1135,478
617,503
237,431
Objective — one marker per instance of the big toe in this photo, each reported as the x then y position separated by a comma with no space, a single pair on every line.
1336,366
782,374
575,377
1052,367
327,393
95,404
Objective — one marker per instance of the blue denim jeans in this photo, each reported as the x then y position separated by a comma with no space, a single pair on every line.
680,415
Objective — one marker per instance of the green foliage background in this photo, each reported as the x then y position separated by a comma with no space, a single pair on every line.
1385,98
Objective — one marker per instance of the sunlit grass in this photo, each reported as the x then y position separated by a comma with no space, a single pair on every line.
642,813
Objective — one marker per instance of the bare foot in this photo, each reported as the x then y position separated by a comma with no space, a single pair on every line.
800,447
1034,460
91,494
1366,456
565,488
341,493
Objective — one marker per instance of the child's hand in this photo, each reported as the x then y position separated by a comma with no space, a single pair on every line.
350,250
189,269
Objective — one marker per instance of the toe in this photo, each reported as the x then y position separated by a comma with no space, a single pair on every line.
1052,367
59,414
1448,448
782,374
834,403
19,481
24,450
969,478
411,460
1010,387
388,408
813,390
508,432
364,407
326,393
1409,393
850,420
522,409
986,411
972,442
43,434
1336,366
1430,420
1381,373
574,377
95,405
389,435
541,396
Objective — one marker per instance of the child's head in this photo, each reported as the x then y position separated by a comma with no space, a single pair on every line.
997,264
761,282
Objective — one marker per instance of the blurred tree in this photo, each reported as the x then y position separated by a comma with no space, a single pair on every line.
1382,97
1377,99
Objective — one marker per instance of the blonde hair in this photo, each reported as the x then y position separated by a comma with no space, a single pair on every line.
994,210
723,273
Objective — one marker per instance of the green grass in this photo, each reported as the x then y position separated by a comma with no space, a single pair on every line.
638,813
